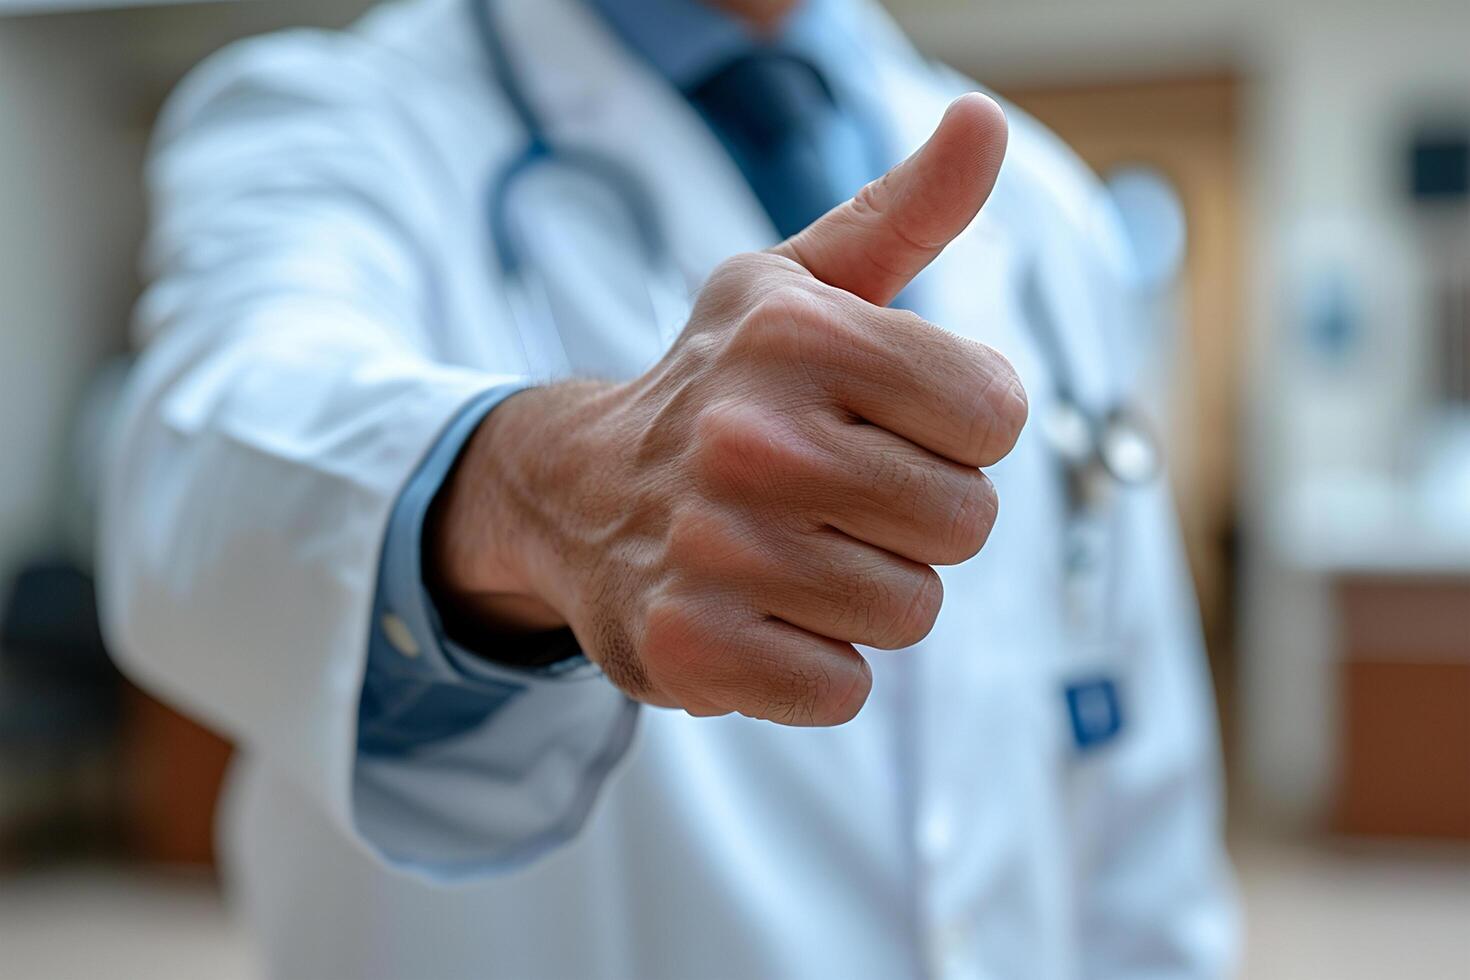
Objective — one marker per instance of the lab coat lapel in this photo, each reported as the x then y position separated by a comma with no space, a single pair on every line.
972,287
594,93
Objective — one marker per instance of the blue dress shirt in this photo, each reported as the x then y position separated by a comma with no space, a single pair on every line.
420,687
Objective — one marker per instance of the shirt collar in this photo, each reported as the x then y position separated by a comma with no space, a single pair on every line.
686,40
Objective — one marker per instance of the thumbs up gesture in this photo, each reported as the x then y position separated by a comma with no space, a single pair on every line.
719,532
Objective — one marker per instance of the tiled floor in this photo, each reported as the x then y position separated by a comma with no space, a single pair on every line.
1314,913
120,924
1355,911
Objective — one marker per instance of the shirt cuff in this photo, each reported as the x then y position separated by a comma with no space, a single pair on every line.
420,687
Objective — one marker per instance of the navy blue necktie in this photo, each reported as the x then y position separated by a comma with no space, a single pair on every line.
771,110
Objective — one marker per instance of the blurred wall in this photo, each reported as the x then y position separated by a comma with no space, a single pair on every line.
1343,87
68,213
78,95
78,92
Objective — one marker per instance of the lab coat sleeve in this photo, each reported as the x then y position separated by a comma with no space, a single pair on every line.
287,391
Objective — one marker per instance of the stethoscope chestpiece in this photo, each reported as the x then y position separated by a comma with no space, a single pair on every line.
1069,431
1127,447
1100,452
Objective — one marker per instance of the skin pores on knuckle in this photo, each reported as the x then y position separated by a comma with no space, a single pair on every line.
708,546
866,600
1000,411
798,698
829,693
920,611
770,331
677,647
776,683
866,597
900,484
974,516
761,676
749,454
735,283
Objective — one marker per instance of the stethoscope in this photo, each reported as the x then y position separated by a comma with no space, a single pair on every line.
525,293
1099,450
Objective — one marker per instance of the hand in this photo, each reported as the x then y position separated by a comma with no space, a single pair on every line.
719,532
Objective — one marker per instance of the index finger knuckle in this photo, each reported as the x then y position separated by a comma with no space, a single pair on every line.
998,413
816,694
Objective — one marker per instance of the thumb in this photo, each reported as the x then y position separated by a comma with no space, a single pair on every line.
875,243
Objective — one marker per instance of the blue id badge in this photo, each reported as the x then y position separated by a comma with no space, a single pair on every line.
1095,708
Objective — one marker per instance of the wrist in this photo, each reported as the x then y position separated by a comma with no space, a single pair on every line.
491,540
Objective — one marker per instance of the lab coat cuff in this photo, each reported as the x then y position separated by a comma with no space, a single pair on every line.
420,686
413,692
465,767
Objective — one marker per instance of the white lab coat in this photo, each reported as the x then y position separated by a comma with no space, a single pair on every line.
323,302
